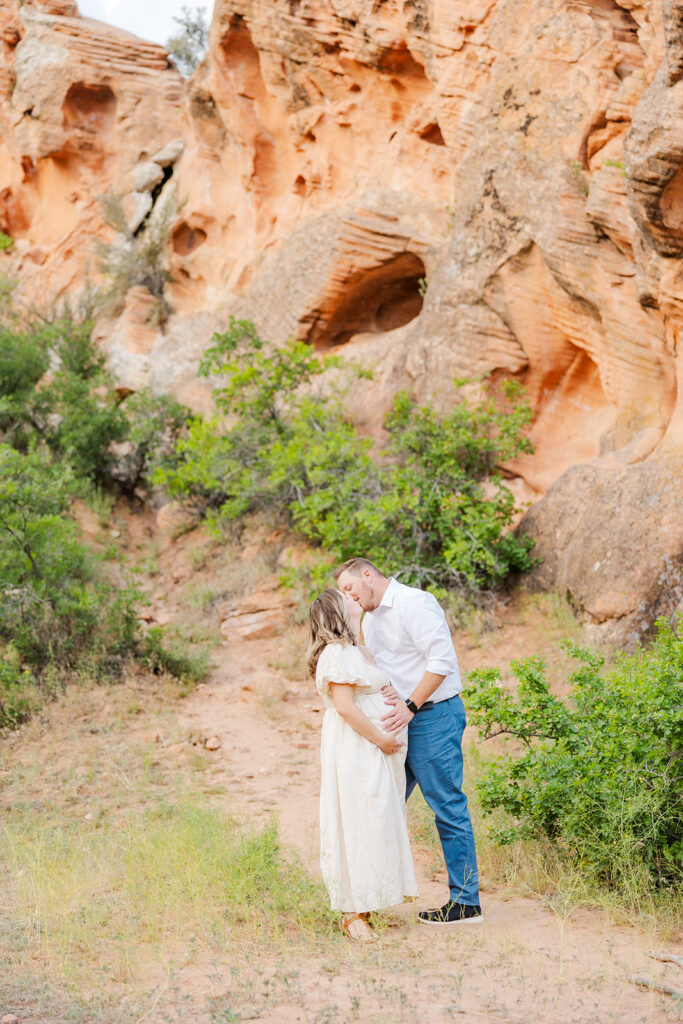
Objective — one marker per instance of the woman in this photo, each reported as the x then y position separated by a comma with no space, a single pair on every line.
364,847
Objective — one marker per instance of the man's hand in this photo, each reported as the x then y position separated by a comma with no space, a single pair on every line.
399,716
390,695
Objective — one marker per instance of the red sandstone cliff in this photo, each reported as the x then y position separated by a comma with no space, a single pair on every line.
522,156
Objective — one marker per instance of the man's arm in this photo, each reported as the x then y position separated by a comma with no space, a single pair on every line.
427,628
400,714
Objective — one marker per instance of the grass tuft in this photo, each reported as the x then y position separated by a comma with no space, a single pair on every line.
177,872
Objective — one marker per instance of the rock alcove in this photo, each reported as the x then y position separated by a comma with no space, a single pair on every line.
375,301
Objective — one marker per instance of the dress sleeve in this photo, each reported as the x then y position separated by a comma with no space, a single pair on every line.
340,664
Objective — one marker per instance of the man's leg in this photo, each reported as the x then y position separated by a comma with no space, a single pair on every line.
411,781
435,761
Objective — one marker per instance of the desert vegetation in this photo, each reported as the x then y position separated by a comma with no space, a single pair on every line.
66,436
599,773
136,257
432,503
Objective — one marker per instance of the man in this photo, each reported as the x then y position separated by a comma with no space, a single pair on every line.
407,632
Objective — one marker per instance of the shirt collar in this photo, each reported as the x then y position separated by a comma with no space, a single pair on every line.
389,594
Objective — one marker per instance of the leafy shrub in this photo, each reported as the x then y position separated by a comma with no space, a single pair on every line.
64,431
161,654
17,700
188,46
153,427
262,459
54,608
435,507
55,390
23,361
600,773
6,242
71,408
137,258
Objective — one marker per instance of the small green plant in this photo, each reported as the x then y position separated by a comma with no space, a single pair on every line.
422,286
600,773
18,691
578,173
138,257
173,654
6,242
619,164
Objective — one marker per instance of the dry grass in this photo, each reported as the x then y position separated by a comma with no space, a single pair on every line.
114,865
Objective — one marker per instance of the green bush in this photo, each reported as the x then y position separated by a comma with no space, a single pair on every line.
55,608
64,432
17,696
55,391
23,361
433,506
154,425
161,653
139,257
600,773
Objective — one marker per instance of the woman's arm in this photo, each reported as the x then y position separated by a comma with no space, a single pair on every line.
342,698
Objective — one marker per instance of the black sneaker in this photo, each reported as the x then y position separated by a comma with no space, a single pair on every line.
452,913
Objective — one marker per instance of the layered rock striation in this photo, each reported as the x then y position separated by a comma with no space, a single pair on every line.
440,187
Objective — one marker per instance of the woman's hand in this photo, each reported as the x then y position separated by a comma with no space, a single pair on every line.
390,745
390,695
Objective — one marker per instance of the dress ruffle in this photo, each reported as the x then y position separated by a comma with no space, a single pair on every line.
341,664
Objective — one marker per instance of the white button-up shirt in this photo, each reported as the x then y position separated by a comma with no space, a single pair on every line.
408,635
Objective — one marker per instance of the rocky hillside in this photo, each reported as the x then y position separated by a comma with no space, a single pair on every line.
441,186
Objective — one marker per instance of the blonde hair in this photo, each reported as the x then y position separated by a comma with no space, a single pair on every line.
330,624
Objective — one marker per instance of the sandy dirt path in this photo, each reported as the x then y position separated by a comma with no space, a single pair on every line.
527,962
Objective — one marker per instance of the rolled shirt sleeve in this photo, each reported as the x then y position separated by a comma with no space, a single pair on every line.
427,627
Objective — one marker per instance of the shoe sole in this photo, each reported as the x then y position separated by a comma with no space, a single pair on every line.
448,924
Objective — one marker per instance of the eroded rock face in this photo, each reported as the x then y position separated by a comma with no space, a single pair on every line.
437,187
84,108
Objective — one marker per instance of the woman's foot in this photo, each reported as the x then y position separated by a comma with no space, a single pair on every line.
357,928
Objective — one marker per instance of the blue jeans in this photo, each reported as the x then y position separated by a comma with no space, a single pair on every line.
434,763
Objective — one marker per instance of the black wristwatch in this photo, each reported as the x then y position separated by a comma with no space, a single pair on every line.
412,706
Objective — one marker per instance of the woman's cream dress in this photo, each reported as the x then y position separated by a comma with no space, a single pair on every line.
364,848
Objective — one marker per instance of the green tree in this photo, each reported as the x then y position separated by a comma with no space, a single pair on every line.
433,507
188,45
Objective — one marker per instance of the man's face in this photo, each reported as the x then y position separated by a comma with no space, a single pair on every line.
360,588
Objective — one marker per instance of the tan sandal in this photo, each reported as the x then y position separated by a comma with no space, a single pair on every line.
357,928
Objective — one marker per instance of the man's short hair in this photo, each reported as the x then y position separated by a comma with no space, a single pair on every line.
356,566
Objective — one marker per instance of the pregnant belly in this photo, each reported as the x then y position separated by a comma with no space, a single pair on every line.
373,705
